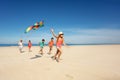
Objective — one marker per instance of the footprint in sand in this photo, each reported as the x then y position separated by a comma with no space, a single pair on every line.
69,76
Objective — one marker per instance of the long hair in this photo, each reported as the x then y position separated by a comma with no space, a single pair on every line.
58,37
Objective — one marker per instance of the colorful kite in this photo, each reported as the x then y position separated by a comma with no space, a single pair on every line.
35,26
28,29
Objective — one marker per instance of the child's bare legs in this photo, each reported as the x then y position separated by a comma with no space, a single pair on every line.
59,54
20,49
29,49
54,57
50,49
41,51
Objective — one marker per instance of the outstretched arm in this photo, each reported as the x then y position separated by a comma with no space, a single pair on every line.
52,31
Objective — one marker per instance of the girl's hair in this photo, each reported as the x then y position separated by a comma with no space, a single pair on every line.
52,38
43,39
58,37
20,40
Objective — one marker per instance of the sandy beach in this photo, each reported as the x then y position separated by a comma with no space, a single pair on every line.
86,62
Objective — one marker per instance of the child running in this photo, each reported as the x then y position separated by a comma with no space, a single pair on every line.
29,45
50,44
20,44
59,42
41,44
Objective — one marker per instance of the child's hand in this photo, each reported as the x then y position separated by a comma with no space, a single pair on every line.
52,30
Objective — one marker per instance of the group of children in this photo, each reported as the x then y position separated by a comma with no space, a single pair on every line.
59,42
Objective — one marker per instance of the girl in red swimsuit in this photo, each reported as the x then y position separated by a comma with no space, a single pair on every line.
59,42
29,45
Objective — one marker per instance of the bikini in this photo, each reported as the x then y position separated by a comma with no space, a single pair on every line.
59,43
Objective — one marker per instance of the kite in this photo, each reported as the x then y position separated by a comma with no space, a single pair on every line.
35,26
28,29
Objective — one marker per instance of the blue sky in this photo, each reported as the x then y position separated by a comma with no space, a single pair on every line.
82,21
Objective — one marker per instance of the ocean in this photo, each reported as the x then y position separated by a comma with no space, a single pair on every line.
7,45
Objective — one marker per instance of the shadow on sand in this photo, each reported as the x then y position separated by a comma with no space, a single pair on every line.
22,52
36,56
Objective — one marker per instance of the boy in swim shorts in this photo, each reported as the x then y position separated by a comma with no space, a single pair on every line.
50,44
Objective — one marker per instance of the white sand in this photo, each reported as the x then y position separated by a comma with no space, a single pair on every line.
97,62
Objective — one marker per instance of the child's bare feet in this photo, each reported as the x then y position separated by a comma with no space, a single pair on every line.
54,58
49,53
57,60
